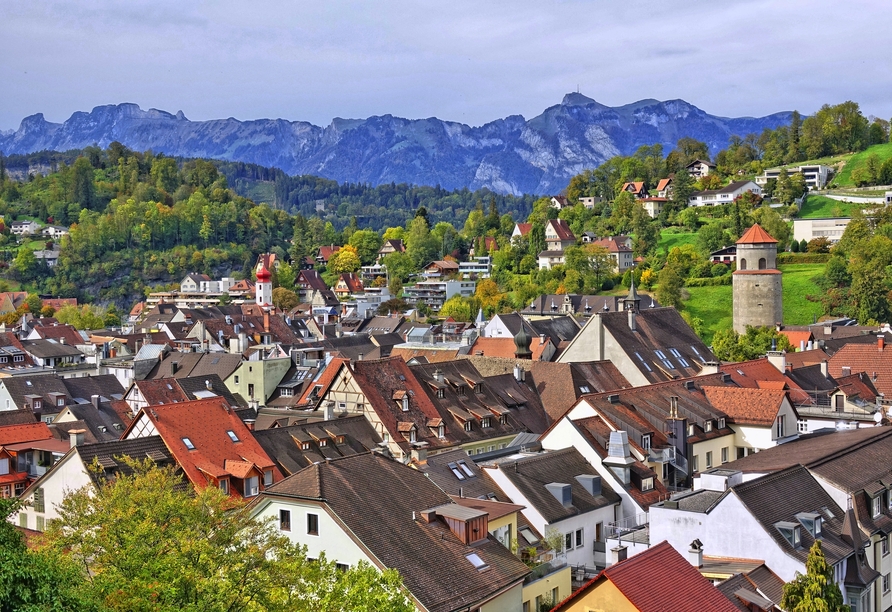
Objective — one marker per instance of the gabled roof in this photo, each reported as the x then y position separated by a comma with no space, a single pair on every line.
523,228
755,234
614,244
664,183
108,454
561,384
205,423
505,347
561,229
58,332
29,432
876,362
531,474
430,559
468,479
47,349
700,161
657,580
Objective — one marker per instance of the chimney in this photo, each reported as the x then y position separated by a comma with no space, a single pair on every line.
619,459
824,370
266,321
801,345
619,554
419,455
94,399
249,423
778,359
76,437
207,385
881,341
328,411
174,366
541,339
632,325
61,340
519,373
695,554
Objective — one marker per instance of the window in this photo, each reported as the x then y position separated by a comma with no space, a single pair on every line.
468,425
312,524
476,561
485,422
236,379
441,431
188,443
251,390
802,426
17,358
645,442
885,583
412,436
725,454
707,426
780,430
568,541
647,484
267,478
60,401
405,403
441,393
38,502
722,423
875,506
4,465
579,538
37,404
884,545
464,468
695,463
251,486
690,430
457,472
285,520
790,531
224,486
839,402
708,459
286,391
526,606
342,567
503,419
41,523
232,436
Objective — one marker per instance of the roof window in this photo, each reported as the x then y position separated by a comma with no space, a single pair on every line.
188,444
812,522
791,532
232,435
477,562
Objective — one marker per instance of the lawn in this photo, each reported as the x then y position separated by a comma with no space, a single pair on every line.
844,178
714,305
822,207
675,238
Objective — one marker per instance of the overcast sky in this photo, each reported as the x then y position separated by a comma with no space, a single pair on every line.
467,61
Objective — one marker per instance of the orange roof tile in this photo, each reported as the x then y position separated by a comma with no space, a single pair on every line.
756,235
796,337
30,432
746,406
505,347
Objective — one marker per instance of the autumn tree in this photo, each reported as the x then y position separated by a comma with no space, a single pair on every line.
815,590
345,259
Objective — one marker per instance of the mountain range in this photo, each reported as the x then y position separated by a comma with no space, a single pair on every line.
511,155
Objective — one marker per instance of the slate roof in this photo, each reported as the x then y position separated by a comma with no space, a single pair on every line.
561,384
196,364
107,386
47,349
658,580
778,497
42,384
747,406
531,474
324,440
430,559
105,422
559,329
198,387
755,234
477,485
522,398
107,454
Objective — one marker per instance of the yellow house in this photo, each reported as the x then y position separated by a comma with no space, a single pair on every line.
657,580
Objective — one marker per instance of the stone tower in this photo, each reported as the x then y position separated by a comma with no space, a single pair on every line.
758,299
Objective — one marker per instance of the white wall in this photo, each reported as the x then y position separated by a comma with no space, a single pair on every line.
68,475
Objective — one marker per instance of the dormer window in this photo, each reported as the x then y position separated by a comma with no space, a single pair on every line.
690,430
412,435
722,423
645,442
441,431
707,426
647,484
305,446
461,390
405,403
478,388
875,506
485,422
323,442
812,522
503,419
224,486
37,404
791,532
441,393
468,425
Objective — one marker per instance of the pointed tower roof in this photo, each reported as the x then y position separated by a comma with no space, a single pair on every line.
756,235
263,275
522,343
632,300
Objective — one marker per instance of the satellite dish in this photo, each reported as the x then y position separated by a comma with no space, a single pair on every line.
877,417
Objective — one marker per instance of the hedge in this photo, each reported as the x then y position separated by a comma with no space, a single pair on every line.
802,258
709,282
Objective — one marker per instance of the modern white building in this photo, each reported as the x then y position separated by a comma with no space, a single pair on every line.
435,293
725,195
815,175
809,229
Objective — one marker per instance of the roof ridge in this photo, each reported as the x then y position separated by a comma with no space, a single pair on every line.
844,451
751,484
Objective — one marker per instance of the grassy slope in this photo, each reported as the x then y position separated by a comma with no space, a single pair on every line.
844,178
822,207
670,239
713,305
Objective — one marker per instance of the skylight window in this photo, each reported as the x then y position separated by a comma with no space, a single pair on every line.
232,435
464,468
188,444
584,389
477,562
456,471
528,535
644,363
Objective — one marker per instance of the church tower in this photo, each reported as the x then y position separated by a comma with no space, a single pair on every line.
264,287
758,299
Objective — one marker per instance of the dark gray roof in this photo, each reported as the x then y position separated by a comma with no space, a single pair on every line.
701,500
106,386
285,445
46,349
558,329
104,422
530,475
106,453
438,468
193,385
375,498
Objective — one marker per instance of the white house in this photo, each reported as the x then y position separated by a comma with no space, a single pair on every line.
725,195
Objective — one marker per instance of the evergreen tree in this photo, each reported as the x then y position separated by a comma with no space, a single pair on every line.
814,591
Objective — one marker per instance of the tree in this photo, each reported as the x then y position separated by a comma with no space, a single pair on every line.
367,242
148,543
728,345
285,299
669,286
82,190
816,590
35,580
25,264
343,260
682,188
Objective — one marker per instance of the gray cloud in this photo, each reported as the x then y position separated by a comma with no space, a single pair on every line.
459,60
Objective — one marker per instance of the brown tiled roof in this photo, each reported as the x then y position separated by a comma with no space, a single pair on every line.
657,580
495,509
479,484
524,228
319,386
431,355
561,384
325,252
614,244
59,332
160,391
505,347
562,229
430,559
747,406
756,235
16,417
663,183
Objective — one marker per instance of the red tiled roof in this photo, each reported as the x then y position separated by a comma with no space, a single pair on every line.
59,332
876,362
657,580
58,303
562,229
663,184
746,406
324,381
325,252
614,244
524,228
796,337
205,423
756,235
30,432
771,384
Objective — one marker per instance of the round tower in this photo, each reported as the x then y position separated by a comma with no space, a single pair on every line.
264,287
757,287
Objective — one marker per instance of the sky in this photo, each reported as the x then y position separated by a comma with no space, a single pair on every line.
459,60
